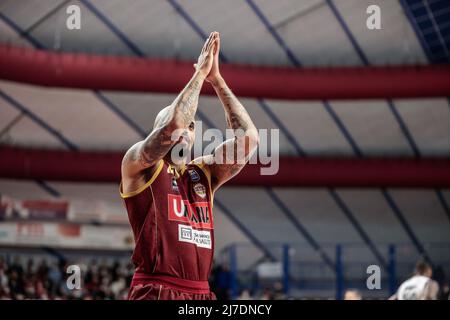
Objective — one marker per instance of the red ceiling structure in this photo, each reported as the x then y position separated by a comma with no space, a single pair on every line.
60,165
76,70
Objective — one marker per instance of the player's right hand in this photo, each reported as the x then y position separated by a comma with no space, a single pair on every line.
206,58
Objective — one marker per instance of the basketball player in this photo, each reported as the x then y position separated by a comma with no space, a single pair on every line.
169,202
418,287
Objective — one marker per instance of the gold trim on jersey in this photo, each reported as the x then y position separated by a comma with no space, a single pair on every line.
148,183
173,171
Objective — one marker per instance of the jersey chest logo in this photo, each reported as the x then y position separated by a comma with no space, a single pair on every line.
197,214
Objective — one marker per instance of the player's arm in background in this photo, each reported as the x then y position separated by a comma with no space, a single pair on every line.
180,114
245,140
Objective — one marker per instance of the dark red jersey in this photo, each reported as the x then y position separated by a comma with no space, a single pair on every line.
172,221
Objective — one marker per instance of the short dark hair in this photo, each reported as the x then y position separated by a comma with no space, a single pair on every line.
422,267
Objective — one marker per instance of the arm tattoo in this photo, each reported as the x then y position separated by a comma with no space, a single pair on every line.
237,119
237,116
186,103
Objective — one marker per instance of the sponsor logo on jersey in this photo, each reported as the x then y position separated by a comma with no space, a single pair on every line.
201,238
200,190
197,214
194,175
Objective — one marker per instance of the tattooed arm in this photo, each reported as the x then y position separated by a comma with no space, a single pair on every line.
231,156
169,125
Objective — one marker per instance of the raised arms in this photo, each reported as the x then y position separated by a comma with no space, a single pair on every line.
179,115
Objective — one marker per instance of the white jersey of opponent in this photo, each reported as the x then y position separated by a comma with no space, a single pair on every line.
413,289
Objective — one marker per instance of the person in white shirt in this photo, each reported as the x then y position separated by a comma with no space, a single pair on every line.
420,286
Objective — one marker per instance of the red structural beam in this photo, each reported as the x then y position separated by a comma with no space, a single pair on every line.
75,70
58,165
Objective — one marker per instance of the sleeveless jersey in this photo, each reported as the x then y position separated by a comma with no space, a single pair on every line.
172,222
413,288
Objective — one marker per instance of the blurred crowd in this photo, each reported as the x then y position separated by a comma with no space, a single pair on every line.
110,280
48,280
43,280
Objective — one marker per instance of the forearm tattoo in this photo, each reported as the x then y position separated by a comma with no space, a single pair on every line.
237,119
187,102
237,116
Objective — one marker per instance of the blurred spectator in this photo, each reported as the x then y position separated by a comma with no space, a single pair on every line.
352,294
245,295
420,286
278,291
267,294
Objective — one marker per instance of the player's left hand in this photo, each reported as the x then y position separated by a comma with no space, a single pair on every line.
214,74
